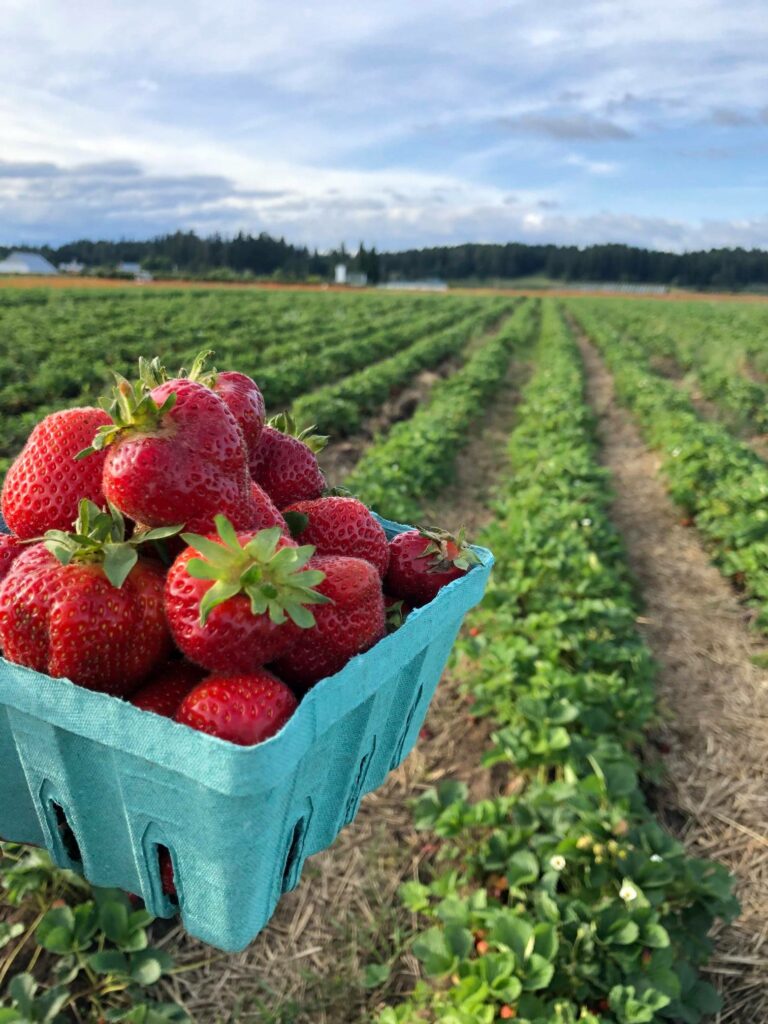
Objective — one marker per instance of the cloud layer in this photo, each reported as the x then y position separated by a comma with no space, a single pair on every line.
402,124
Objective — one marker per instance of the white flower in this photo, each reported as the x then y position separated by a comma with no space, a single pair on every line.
675,452
628,892
586,521
557,863
656,858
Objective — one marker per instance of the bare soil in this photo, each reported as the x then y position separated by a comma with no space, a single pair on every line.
306,966
714,697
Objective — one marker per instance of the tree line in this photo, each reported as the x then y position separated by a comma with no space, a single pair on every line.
186,253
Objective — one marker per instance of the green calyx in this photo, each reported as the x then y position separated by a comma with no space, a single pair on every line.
133,411
446,551
273,578
152,372
286,424
99,536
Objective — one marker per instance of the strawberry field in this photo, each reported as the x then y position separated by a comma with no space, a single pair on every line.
580,832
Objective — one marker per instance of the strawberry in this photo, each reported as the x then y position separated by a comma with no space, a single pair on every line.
339,526
167,879
243,709
44,485
85,605
244,601
349,624
10,549
240,394
264,511
164,692
174,454
423,561
285,462
245,401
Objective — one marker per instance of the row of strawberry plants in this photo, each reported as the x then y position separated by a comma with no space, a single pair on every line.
719,482
714,346
341,406
417,457
562,899
284,379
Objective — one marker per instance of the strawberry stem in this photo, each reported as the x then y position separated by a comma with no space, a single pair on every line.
273,578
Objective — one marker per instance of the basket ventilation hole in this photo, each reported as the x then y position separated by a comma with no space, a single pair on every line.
67,836
400,748
167,880
293,857
354,798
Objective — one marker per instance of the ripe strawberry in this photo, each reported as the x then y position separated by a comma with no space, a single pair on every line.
285,462
86,606
265,512
244,601
349,624
44,485
240,394
10,549
167,880
340,526
174,454
423,561
243,709
167,688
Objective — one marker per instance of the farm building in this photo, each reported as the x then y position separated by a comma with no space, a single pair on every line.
72,267
26,263
128,267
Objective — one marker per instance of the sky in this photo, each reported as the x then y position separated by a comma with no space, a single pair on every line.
402,123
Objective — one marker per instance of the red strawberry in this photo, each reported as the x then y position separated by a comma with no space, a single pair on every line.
10,549
44,485
352,622
245,401
167,688
340,526
285,462
244,601
265,512
167,879
243,709
175,454
423,561
86,606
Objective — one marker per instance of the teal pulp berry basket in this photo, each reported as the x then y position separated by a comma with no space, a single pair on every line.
103,786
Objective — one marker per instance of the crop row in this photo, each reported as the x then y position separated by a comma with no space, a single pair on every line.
340,407
61,353
562,900
718,481
717,347
416,458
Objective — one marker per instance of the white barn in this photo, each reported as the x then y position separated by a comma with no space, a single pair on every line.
26,263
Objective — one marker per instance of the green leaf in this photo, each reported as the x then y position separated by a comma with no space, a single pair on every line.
119,559
113,919
8,932
375,975
297,522
56,930
22,990
512,932
109,961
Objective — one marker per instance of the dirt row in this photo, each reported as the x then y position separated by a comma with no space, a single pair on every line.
714,697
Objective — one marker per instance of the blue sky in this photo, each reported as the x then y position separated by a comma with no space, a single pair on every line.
402,123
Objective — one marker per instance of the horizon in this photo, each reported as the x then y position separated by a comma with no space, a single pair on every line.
636,124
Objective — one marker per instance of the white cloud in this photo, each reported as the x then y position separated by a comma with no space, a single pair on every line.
440,102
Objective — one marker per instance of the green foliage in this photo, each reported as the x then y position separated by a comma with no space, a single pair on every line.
416,458
100,958
717,480
564,901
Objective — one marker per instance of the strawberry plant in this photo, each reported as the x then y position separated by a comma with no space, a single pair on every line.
564,901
